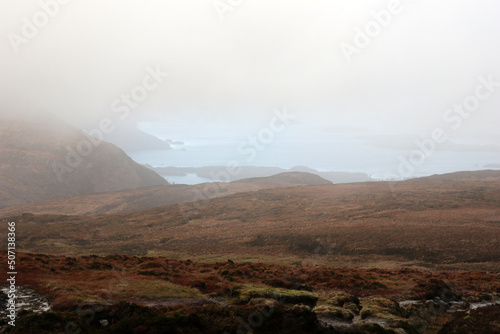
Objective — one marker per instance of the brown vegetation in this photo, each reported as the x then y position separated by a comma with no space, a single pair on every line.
151,197
431,222
110,279
223,292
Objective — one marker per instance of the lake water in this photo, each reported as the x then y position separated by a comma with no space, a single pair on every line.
321,151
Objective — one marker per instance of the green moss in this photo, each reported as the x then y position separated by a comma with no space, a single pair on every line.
339,298
382,308
375,311
334,312
352,307
382,302
248,292
160,289
263,302
73,292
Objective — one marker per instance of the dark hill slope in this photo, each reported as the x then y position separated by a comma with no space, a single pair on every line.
39,161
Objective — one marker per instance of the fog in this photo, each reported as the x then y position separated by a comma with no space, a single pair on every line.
223,68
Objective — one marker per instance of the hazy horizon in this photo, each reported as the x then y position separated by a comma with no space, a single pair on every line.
368,86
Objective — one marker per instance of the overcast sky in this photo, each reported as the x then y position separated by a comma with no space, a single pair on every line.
237,62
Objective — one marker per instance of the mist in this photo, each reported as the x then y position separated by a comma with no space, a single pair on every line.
364,80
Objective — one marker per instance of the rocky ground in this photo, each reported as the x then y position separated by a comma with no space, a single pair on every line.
124,294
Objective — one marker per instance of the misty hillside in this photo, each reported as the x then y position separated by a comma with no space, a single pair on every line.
43,160
129,138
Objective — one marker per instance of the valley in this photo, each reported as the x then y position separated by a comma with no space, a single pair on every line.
115,249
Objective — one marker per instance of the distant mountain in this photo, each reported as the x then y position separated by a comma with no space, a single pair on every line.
460,176
48,159
336,177
493,166
130,138
211,172
291,178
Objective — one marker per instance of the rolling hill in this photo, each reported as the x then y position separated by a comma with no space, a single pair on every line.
48,159
151,197
438,221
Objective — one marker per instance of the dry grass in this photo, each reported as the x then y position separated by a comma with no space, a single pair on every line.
429,223
111,279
